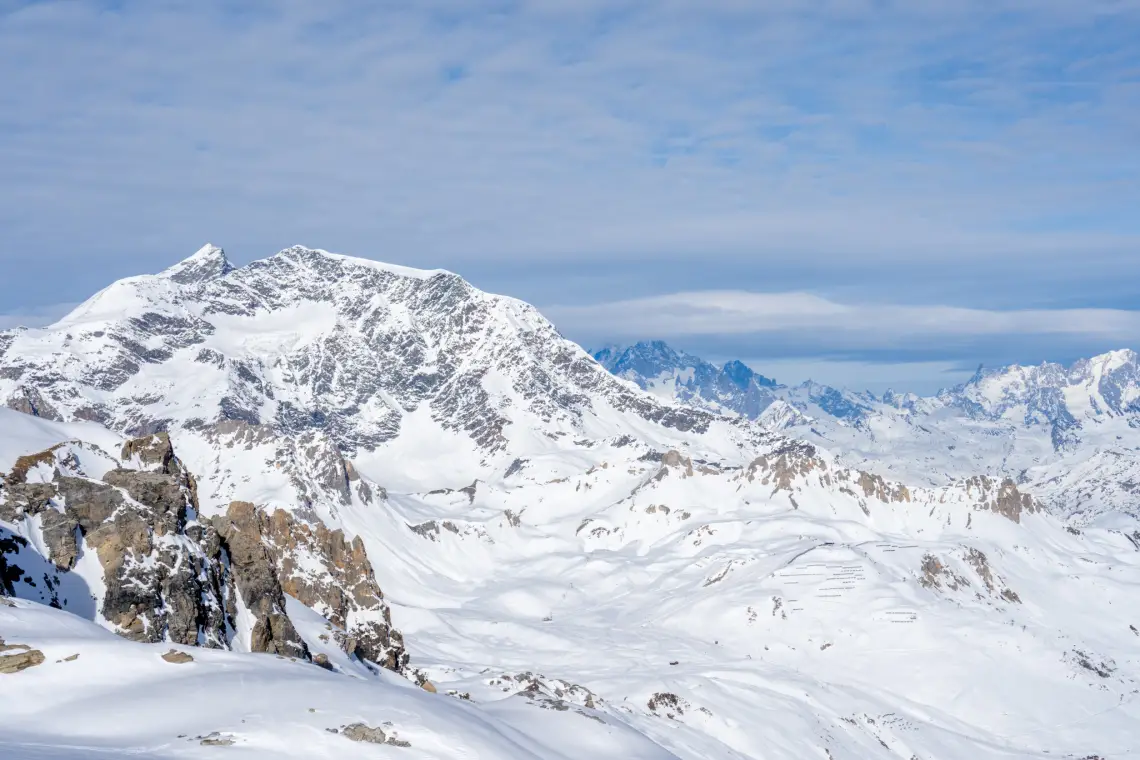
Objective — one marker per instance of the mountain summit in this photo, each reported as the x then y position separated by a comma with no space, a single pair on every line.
206,263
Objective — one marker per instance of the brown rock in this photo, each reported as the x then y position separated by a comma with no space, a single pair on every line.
345,584
153,451
674,458
783,465
1005,499
359,732
177,658
14,663
19,472
256,578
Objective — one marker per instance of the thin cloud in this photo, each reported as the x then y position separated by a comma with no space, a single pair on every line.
804,316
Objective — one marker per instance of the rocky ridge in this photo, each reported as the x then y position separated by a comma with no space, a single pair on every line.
170,575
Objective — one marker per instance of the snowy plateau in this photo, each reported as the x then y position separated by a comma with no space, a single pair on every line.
323,507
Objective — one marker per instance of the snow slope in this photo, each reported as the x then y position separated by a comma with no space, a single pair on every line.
581,569
96,695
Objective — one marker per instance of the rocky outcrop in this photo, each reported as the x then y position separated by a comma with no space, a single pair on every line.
321,569
17,657
30,401
159,568
60,534
255,577
677,460
1003,498
19,472
361,732
783,465
169,576
886,492
161,577
155,452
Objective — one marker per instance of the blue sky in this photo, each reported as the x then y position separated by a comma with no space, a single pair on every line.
866,191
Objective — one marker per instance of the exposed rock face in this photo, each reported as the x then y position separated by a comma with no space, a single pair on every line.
158,561
876,486
256,579
154,452
169,576
29,401
359,732
177,658
59,532
343,588
1005,499
935,573
159,564
676,459
782,466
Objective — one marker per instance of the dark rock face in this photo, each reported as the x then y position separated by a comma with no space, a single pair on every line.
29,401
265,552
170,577
256,580
59,531
154,451
160,568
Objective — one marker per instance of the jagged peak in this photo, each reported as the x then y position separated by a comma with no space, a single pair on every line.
742,375
207,263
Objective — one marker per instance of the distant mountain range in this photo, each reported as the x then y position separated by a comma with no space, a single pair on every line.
1034,424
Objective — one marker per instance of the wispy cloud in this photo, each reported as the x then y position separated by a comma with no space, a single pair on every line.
871,325
783,326
956,151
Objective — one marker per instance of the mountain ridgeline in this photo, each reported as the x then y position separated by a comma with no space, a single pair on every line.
282,495
1034,424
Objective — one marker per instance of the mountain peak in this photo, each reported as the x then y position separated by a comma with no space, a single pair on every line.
741,374
207,263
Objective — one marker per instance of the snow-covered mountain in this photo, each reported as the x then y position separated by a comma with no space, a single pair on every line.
380,471
1070,435
677,376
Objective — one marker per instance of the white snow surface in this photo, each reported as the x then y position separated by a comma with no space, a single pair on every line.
119,698
581,569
